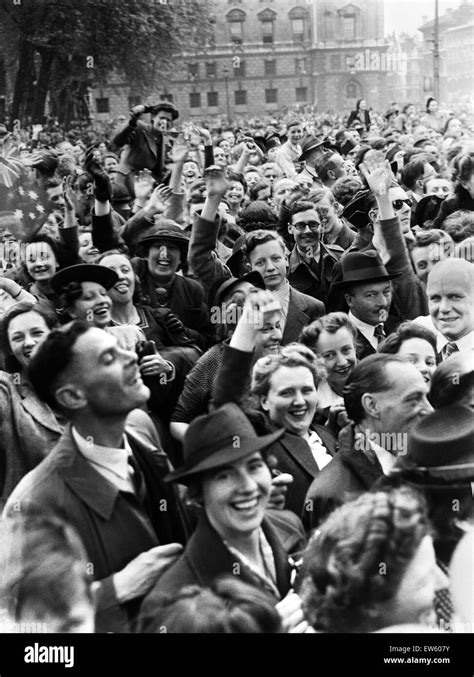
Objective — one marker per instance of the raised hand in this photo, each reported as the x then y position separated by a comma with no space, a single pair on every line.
379,176
143,185
179,153
158,200
68,193
136,111
204,133
216,183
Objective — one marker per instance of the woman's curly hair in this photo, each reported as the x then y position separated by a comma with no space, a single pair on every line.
358,558
292,355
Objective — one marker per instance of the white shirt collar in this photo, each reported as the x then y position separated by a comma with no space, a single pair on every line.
464,343
319,451
366,329
384,457
111,463
327,397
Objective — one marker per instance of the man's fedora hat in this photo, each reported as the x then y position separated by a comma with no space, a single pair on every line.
360,267
222,287
165,230
310,142
217,439
441,447
84,272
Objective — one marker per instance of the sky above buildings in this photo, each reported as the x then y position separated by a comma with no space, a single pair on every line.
405,16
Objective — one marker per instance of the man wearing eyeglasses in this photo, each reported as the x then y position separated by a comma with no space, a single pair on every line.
310,262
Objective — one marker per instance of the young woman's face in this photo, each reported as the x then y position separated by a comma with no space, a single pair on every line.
41,263
291,399
94,305
421,354
235,193
123,291
87,250
235,496
339,355
25,333
268,338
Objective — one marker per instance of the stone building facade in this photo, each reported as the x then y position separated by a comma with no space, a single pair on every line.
268,56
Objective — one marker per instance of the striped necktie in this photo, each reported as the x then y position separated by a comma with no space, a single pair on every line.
379,333
449,349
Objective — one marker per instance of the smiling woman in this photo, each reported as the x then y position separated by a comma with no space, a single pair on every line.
227,474
28,427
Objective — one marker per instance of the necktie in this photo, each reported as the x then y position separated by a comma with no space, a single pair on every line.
449,349
379,332
137,479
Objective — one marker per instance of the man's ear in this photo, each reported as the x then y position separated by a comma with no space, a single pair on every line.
349,299
338,208
264,402
71,397
370,405
373,214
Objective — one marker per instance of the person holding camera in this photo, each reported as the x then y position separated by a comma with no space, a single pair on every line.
144,145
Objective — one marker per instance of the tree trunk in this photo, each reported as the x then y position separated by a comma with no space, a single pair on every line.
23,79
42,85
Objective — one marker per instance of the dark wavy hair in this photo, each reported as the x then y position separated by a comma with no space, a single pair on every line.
342,580
406,331
11,363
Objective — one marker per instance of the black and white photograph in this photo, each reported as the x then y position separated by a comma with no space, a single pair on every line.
236,335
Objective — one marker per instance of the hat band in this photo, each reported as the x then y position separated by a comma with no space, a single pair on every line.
236,441
366,274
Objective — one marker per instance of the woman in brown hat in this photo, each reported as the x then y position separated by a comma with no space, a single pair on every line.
227,474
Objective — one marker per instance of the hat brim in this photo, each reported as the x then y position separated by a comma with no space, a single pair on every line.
381,278
226,287
224,456
324,144
181,242
84,272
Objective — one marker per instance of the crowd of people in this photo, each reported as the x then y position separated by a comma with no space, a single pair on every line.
236,386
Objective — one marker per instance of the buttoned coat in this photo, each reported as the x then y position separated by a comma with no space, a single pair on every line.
113,526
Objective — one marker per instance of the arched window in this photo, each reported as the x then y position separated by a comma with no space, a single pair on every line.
298,17
236,18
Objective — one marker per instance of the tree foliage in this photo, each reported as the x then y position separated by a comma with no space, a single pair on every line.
62,47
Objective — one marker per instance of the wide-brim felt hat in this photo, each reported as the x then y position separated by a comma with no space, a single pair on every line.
84,272
219,439
427,208
357,210
309,143
441,448
361,267
165,230
223,286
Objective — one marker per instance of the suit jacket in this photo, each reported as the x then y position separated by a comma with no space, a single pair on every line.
28,431
349,474
113,526
302,278
302,309
143,148
206,558
363,345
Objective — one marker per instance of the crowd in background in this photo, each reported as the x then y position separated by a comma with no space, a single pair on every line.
236,386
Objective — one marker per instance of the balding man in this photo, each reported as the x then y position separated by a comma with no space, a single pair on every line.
450,290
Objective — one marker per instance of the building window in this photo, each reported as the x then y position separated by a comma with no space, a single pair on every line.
267,32
240,97
237,32
301,94
270,67
300,66
212,99
297,28
102,105
236,18
335,62
211,69
195,100
271,95
166,97
193,71
134,101
329,24
349,27
238,67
